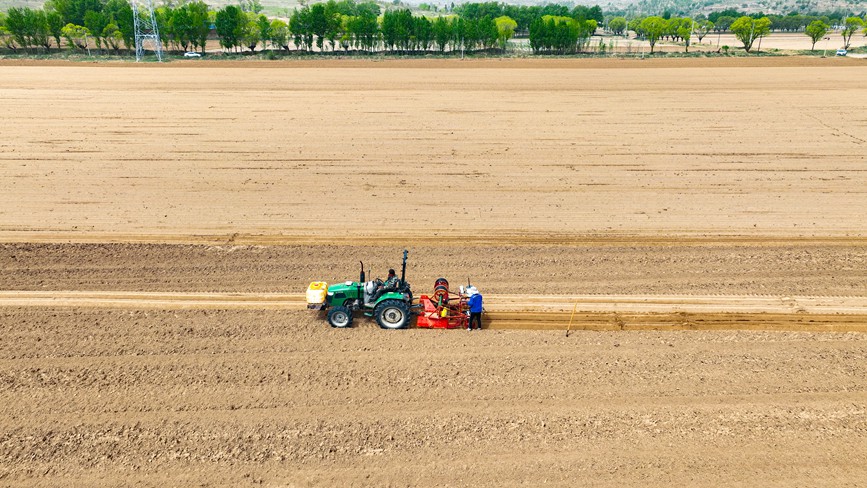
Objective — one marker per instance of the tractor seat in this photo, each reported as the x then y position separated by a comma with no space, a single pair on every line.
369,290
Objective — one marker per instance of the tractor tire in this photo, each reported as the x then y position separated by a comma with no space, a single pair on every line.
392,314
340,317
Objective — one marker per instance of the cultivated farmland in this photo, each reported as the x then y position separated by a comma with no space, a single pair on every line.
159,223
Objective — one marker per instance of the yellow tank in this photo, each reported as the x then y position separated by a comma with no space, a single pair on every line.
316,294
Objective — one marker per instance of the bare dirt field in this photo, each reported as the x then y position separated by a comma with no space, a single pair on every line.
328,154
245,398
158,223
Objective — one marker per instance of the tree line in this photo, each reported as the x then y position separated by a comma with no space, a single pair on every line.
747,29
363,26
332,25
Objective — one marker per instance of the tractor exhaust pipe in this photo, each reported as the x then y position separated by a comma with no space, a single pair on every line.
362,280
403,269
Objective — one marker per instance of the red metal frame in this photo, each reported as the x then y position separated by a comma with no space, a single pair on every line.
450,315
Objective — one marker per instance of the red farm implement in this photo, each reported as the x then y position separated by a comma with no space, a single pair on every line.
443,309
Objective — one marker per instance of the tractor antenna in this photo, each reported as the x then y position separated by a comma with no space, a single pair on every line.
145,29
403,269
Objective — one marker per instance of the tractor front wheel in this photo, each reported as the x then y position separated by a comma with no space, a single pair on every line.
392,314
340,317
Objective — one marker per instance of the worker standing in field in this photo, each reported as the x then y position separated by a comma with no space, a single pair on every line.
475,304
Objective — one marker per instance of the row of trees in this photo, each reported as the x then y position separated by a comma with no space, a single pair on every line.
560,35
330,26
793,22
747,29
346,24
109,23
525,15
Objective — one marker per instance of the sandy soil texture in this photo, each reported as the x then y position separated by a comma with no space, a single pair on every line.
271,398
615,267
426,153
617,179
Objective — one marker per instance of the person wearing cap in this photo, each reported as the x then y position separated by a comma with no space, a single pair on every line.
475,304
391,283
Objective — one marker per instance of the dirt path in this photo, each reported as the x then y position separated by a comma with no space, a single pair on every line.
531,312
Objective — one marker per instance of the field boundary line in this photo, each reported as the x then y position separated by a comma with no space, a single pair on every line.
503,303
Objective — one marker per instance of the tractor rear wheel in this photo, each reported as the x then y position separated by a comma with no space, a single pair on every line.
392,314
340,317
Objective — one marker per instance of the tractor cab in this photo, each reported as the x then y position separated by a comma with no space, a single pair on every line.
370,290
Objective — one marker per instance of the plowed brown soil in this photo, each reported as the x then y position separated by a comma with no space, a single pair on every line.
274,398
680,181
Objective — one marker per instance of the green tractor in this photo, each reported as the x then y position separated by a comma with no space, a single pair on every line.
391,308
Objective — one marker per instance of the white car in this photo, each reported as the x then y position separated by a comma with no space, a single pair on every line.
191,54
841,52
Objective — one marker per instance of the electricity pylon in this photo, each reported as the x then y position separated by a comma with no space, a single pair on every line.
146,32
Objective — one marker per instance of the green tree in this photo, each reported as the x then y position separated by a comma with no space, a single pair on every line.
181,27
851,25
200,24
617,26
76,35
319,24
422,33
334,23
723,23
250,35
264,27
634,25
55,26
37,28
684,31
815,31
366,26
747,30
300,26
596,14
16,25
702,28
442,33
230,22
397,29
586,29
6,38
653,28
73,11
95,23
163,16
557,34
120,13
112,36
488,32
505,30
279,34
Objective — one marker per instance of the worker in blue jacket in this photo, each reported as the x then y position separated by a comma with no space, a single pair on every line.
475,304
